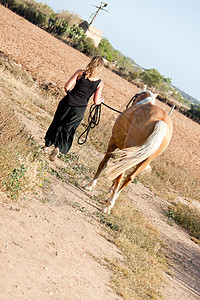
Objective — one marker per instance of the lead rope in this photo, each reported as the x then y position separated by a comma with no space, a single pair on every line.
111,108
93,121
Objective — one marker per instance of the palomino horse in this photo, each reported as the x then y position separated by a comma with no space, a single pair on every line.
141,132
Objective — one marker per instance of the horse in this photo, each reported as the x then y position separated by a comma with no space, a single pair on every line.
140,133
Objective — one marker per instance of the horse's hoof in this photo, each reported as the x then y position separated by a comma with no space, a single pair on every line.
106,210
110,192
88,187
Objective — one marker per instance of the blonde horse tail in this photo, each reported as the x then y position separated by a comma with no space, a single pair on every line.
131,157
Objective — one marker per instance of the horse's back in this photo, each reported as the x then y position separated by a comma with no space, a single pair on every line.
135,125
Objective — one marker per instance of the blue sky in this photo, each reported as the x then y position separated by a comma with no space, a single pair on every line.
164,35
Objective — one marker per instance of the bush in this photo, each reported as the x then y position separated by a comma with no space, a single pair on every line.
106,50
132,75
194,113
186,217
81,42
86,45
76,33
56,25
28,10
42,15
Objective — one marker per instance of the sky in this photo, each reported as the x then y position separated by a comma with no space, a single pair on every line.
164,35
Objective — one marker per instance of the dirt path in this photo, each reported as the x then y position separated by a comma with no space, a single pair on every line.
47,250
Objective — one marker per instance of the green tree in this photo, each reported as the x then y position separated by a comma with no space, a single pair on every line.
107,50
167,80
151,77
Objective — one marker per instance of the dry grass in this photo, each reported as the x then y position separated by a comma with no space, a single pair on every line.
168,180
16,174
22,168
186,217
20,87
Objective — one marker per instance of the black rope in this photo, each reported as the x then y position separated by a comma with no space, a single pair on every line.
111,108
93,121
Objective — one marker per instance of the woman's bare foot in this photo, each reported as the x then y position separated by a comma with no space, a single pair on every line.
54,154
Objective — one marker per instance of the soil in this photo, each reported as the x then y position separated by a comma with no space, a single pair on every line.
48,250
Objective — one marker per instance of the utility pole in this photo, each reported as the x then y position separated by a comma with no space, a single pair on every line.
101,7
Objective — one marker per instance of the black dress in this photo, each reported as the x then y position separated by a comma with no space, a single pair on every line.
69,114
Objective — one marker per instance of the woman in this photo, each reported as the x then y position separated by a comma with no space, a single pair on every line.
71,108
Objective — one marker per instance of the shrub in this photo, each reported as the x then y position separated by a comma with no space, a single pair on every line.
86,45
186,217
26,9
194,113
106,50
132,75
56,25
76,33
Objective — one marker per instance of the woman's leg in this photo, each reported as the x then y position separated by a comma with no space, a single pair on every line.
67,129
53,128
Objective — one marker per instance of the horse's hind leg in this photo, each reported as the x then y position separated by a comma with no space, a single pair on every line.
111,200
102,165
116,190
143,165
139,168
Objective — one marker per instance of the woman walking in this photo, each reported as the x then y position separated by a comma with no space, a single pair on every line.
71,108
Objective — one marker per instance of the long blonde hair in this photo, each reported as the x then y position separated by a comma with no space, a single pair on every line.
94,67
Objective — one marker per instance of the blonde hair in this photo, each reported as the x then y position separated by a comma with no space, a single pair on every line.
94,67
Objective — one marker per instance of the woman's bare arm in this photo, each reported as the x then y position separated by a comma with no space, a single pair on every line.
97,95
69,84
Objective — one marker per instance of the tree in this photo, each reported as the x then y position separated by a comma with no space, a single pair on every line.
167,80
151,77
106,49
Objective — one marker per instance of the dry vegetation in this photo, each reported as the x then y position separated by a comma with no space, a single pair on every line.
23,169
19,165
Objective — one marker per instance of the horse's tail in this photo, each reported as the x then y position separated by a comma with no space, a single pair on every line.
131,157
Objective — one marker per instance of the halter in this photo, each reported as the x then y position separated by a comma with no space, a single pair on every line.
146,100
132,100
149,99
